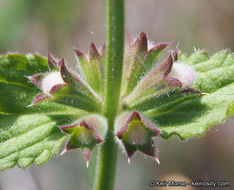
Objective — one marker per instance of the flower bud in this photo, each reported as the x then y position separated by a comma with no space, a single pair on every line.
47,82
184,73
85,134
134,133
50,80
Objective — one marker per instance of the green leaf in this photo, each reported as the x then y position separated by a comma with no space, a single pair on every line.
187,114
29,134
28,138
230,109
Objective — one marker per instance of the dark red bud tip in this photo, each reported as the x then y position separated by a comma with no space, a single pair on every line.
136,115
36,79
175,54
85,124
61,63
52,63
142,42
78,52
159,47
166,66
143,36
93,52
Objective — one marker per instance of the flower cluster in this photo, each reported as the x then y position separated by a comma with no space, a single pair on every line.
143,78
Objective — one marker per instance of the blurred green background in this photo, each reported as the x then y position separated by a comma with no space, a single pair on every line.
57,26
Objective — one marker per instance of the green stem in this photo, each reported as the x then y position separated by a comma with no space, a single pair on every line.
114,59
106,168
114,62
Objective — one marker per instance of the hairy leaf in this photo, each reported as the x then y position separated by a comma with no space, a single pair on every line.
28,138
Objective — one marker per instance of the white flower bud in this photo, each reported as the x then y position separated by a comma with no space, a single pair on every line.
51,79
184,73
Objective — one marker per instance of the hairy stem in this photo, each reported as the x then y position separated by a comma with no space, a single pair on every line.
106,169
114,59
114,62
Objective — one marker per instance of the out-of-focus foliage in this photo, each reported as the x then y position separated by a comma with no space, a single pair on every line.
17,15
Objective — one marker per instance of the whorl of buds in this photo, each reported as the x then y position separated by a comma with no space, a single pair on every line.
144,78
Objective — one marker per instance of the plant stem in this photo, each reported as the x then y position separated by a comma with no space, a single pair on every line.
114,59
106,169
114,62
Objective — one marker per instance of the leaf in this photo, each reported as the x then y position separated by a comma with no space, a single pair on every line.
188,114
27,139
28,134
